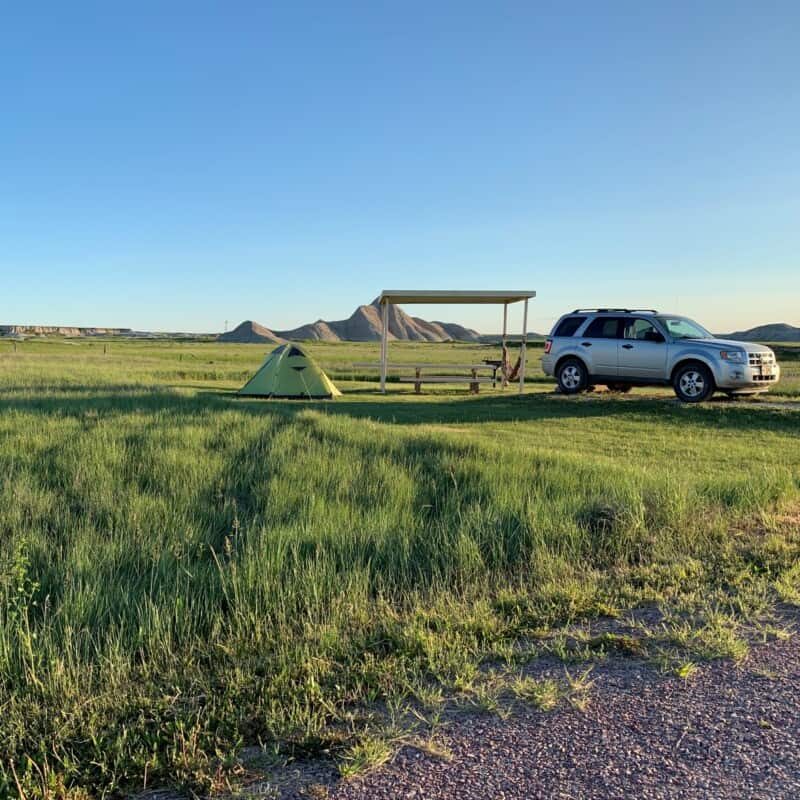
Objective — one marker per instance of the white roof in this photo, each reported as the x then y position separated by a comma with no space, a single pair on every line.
443,296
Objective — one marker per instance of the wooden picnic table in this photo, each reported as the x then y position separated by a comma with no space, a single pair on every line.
473,379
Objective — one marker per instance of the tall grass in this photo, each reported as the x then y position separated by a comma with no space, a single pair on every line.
184,573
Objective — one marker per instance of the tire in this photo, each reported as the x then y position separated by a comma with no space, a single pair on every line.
622,388
693,383
572,376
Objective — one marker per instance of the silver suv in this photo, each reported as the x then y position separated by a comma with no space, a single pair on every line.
622,347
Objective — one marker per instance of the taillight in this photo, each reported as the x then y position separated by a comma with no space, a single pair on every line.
547,345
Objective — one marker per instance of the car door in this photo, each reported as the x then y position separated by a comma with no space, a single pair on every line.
599,345
642,350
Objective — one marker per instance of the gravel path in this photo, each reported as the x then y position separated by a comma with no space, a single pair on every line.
728,732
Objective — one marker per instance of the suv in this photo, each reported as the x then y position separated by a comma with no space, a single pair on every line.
622,347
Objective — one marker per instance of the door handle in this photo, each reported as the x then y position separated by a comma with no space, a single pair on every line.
586,344
627,347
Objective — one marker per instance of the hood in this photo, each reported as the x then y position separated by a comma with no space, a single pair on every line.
728,344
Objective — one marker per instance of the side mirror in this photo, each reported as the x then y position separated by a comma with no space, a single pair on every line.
654,336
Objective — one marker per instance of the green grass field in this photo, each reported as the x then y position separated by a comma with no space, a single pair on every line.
185,573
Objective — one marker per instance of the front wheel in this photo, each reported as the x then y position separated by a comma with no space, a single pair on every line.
572,376
693,383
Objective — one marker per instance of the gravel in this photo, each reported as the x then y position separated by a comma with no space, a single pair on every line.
728,732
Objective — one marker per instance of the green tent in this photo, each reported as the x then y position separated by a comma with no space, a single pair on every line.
289,372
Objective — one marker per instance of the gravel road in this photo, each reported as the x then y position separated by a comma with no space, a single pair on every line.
728,732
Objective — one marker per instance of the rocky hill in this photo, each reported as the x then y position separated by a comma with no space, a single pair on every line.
364,325
775,332
249,332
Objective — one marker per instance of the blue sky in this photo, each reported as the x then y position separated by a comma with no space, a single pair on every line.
171,165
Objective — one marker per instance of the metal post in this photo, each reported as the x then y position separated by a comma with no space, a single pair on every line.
522,347
503,351
384,337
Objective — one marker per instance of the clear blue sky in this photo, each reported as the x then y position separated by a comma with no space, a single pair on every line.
171,165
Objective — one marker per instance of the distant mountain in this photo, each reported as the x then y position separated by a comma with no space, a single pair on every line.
364,325
775,332
60,330
249,332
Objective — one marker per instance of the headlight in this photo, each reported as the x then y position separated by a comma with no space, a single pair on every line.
736,356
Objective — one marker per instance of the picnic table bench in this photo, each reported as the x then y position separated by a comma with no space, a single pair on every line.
473,379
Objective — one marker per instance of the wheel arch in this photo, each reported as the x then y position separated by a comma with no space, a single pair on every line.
570,357
691,359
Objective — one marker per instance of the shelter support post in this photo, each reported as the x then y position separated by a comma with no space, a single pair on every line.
503,351
384,338
522,347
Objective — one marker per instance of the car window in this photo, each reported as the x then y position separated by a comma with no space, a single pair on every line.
643,330
568,326
604,328
684,328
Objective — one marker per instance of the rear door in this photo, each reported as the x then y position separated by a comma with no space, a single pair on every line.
599,343
642,350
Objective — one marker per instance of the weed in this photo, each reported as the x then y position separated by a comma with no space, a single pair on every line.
367,754
543,694
685,669
579,689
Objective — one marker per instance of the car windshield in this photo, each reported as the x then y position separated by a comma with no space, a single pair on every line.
684,328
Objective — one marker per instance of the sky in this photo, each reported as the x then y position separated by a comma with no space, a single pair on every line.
173,165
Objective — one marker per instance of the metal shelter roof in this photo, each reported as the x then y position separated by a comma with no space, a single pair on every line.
444,296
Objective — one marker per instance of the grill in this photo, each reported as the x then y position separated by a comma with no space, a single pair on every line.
757,359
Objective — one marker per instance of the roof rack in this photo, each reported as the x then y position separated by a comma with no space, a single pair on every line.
612,310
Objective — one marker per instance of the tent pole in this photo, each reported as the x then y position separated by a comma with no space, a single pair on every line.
522,347
384,336
503,351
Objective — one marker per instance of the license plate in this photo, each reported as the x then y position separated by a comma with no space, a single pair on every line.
767,370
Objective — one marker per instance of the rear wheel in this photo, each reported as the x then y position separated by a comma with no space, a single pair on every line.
693,383
572,376
622,388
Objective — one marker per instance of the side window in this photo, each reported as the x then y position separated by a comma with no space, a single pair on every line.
604,328
643,330
569,325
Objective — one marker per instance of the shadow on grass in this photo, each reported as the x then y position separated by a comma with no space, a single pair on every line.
408,409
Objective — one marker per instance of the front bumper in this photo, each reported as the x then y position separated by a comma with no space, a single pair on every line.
746,378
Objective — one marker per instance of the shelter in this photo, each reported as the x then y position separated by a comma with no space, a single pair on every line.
395,296
289,372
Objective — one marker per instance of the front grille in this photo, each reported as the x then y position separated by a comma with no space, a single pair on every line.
757,359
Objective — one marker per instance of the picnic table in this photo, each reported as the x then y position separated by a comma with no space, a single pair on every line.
473,379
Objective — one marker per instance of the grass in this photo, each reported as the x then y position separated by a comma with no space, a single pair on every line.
185,573
368,753
543,694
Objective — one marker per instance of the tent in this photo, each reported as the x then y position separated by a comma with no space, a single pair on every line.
289,372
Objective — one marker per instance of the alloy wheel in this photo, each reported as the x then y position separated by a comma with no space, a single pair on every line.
571,377
692,383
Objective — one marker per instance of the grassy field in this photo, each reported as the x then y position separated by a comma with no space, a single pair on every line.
185,573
